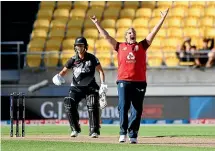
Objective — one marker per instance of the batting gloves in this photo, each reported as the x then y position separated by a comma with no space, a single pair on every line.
58,80
102,96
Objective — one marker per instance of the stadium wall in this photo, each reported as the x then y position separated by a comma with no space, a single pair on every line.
156,110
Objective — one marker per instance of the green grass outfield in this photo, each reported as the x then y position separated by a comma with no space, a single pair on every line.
147,131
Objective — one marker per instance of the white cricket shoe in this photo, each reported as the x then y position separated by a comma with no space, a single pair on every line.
74,134
94,135
133,140
122,138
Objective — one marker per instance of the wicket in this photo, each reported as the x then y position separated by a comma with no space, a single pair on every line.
17,106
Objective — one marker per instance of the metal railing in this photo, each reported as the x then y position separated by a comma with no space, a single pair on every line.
18,53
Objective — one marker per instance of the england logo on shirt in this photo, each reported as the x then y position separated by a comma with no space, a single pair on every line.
131,58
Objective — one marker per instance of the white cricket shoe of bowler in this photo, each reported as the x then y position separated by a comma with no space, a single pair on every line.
133,140
122,138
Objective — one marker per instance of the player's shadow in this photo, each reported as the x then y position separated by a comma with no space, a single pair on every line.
184,135
176,143
170,136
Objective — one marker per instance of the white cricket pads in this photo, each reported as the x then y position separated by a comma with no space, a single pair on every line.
58,80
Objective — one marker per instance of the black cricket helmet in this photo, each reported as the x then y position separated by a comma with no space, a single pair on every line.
81,40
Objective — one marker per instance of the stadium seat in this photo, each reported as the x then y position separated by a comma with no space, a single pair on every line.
77,13
98,12
140,23
210,32
175,32
187,63
104,61
44,14
115,61
190,63
114,4
68,44
120,38
66,55
161,33
97,4
73,32
51,58
141,33
36,44
157,12
207,22
41,24
198,42
131,4
75,23
178,12
111,32
184,4
157,43
171,45
195,12
138,39
148,4
57,34
202,31
201,4
91,45
174,22
64,4
53,45
58,23
164,4
81,5
154,52
191,22
154,61
153,22
171,61
191,32
102,45
33,59
61,13
91,33
108,23
111,13
39,33
169,54
153,49
88,23
124,23
92,51
47,5
143,13
210,4
209,12
104,56
120,34
127,13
